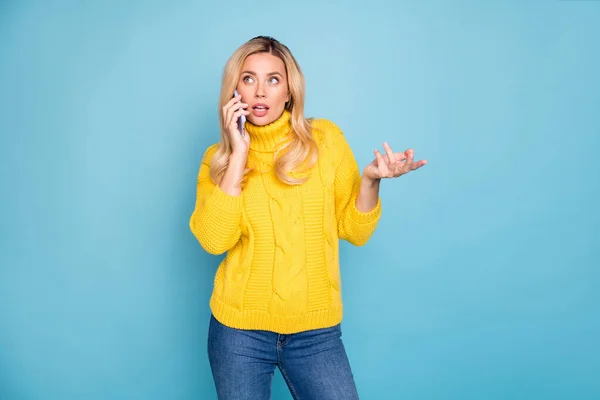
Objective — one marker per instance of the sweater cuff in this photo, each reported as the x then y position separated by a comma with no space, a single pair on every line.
365,218
225,202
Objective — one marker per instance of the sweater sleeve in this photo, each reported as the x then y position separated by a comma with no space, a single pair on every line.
215,221
354,226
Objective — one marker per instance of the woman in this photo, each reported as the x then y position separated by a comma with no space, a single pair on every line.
277,198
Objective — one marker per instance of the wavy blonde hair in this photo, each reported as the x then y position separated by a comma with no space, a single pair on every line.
297,155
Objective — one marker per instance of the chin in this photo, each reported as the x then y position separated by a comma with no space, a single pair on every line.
261,121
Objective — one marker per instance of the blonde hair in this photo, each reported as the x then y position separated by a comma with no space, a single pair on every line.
301,151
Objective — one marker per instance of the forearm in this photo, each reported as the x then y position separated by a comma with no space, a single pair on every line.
217,215
368,194
230,183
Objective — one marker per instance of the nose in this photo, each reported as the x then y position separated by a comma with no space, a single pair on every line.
260,92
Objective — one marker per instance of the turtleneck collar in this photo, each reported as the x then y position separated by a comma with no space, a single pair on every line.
266,137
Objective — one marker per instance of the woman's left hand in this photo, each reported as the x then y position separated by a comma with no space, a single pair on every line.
391,165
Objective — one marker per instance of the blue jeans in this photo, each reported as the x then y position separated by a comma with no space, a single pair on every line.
314,363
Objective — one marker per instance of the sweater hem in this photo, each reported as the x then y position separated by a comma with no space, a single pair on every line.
282,324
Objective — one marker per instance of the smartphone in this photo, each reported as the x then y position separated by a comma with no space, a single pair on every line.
241,120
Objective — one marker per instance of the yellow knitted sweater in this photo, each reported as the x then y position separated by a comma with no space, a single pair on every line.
281,271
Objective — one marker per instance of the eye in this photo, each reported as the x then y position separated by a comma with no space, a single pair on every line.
274,80
247,79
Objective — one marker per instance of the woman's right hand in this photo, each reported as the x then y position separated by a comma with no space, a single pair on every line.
232,111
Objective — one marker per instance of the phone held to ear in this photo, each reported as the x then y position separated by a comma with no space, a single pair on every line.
241,120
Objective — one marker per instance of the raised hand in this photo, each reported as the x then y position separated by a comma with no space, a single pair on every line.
233,110
391,165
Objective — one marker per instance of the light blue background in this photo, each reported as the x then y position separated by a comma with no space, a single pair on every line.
481,281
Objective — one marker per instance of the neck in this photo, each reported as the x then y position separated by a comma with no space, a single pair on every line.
265,138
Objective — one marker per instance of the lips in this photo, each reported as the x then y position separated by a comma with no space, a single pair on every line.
260,109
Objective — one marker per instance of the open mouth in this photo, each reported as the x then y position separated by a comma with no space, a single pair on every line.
260,110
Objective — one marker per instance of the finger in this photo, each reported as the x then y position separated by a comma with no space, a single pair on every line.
236,115
401,169
418,164
399,156
410,155
233,100
230,118
379,157
381,164
232,107
236,112
389,153
227,106
385,171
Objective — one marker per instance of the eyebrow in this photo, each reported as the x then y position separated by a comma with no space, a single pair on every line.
269,74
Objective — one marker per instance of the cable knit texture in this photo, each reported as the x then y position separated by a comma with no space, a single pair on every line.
281,271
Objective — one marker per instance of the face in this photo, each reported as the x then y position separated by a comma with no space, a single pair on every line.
263,86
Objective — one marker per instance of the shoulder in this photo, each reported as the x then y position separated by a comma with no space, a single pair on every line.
209,153
331,141
324,127
328,133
